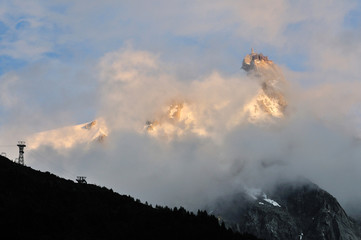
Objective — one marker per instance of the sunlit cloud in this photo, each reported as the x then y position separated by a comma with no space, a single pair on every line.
183,123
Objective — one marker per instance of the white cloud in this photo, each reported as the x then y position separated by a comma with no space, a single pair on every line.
192,169
196,44
7,85
104,26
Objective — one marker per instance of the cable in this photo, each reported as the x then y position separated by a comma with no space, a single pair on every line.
36,156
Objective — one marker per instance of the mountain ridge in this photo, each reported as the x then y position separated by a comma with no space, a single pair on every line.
292,210
41,205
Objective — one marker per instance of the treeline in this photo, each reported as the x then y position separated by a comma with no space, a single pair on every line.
37,205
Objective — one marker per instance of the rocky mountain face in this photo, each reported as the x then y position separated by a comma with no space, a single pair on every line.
270,102
183,114
265,107
290,211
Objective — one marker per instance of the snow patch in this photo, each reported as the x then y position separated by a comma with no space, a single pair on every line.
256,194
274,203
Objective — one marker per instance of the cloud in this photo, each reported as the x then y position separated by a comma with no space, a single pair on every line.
7,83
136,87
193,169
26,27
81,29
190,54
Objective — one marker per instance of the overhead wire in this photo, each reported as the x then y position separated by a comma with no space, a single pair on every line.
37,156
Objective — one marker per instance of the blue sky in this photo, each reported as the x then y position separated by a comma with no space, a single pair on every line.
54,56
67,31
215,35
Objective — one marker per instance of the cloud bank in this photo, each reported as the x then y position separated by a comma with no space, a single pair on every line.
187,56
214,149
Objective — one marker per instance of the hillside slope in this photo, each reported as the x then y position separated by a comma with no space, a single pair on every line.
37,205
299,210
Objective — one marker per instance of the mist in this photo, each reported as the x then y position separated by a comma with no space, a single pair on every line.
126,64
216,150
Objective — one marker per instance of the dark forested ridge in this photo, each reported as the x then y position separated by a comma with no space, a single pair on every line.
37,205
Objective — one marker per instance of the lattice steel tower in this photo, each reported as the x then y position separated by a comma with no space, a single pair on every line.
21,145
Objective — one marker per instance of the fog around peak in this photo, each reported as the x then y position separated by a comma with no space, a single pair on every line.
133,65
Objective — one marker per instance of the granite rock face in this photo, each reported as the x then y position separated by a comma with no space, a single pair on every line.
303,211
270,102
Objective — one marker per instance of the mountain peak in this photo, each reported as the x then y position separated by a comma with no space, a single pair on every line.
90,125
254,60
270,101
67,137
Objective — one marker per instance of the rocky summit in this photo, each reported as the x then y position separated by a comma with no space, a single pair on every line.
270,102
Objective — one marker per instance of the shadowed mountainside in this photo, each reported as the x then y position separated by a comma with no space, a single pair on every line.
293,210
41,205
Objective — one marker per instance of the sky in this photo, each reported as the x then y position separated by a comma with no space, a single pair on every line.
64,63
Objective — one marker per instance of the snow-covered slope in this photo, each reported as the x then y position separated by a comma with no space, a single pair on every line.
67,137
194,114
266,106
260,196
270,101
